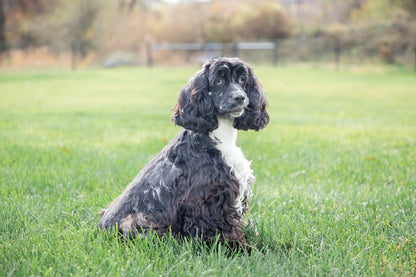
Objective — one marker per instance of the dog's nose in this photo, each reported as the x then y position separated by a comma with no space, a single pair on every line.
239,98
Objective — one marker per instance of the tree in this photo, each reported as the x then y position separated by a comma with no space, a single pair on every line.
222,21
68,25
3,45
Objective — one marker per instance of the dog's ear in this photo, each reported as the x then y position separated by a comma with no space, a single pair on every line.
255,116
195,110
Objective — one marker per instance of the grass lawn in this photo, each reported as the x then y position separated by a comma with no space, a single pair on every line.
336,177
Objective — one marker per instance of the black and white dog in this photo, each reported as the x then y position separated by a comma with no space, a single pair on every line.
199,184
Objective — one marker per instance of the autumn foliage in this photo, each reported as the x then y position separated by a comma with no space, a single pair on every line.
95,30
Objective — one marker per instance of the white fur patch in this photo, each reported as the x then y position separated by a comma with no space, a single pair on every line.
226,137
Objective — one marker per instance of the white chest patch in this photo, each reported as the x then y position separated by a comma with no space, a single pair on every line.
226,137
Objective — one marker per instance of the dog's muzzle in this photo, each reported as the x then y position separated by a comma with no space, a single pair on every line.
234,103
239,102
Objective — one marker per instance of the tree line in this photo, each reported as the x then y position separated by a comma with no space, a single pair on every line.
84,26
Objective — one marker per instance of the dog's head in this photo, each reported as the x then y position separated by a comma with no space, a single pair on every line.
225,87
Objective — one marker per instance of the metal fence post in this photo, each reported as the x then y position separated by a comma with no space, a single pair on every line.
414,51
276,53
149,54
74,55
236,50
337,52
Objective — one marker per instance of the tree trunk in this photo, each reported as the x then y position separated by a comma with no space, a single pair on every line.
3,45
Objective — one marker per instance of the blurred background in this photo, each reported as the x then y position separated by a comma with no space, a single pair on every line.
110,33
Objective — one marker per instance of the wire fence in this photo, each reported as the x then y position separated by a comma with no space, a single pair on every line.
331,51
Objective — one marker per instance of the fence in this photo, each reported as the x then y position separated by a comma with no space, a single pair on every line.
213,47
330,51
317,50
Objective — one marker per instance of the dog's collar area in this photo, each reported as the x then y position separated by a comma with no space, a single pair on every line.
225,132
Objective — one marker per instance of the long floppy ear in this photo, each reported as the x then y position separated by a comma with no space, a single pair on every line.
255,116
195,110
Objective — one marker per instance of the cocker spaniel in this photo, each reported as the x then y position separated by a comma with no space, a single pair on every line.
199,184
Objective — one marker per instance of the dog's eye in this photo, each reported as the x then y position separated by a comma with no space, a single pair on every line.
219,82
241,80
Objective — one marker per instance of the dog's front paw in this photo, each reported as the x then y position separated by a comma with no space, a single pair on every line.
127,225
102,212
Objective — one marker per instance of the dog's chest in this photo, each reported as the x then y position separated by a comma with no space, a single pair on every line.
226,136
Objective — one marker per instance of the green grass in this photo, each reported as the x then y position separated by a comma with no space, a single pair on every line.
335,191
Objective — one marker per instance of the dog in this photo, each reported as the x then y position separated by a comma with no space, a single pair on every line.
200,183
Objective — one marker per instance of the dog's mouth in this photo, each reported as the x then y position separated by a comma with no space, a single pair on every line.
237,112
232,111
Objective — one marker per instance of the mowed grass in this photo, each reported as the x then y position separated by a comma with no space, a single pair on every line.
335,191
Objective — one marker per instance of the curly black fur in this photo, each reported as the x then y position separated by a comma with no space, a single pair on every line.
188,188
